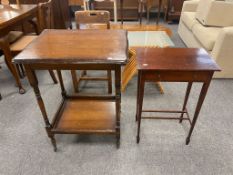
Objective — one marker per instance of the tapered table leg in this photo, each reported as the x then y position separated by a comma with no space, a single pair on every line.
198,108
140,102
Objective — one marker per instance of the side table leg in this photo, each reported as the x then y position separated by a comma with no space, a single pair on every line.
186,99
159,9
118,102
34,83
141,85
201,99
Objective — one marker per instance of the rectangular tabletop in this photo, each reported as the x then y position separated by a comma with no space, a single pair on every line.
10,14
77,46
175,59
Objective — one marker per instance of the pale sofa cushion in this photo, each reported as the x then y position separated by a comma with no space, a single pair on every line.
189,19
215,13
206,35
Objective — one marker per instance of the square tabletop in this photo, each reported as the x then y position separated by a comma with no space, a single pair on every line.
149,39
175,59
76,46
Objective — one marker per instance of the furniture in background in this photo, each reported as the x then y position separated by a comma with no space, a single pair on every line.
88,18
174,65
7,24
143,39
208,24
61,13
148,4
128,8
173,10
97,114
24,13
87,2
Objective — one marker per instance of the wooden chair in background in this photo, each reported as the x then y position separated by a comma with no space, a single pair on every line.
92,20
12,49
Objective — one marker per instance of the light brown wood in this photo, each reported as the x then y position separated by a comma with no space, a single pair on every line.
92,17
87,116
107,46
87,18
18,15
76,2
131,67
22,42
62,42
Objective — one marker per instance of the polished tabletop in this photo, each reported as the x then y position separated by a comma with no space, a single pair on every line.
175,59
77,46
10,13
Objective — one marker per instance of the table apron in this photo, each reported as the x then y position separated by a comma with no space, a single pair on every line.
176,76
73,66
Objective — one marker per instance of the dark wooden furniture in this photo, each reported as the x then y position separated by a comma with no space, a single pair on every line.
88,18
19,14
61,13
96,50
148,4
128,9
173,11
174,65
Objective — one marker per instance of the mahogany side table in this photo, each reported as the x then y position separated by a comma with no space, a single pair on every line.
174,65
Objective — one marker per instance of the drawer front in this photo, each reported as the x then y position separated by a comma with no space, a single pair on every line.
177,76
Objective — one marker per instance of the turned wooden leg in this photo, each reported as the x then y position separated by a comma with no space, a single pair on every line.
34,83
109,81
53,76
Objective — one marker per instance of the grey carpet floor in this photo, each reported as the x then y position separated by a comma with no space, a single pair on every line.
26,150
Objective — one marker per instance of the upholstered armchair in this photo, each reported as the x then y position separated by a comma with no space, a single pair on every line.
209,24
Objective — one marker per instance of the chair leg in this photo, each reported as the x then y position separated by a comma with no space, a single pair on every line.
0,96
8,58
13,70
53,76
148,15
22,70
19,71
160,87
75,80
109,81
